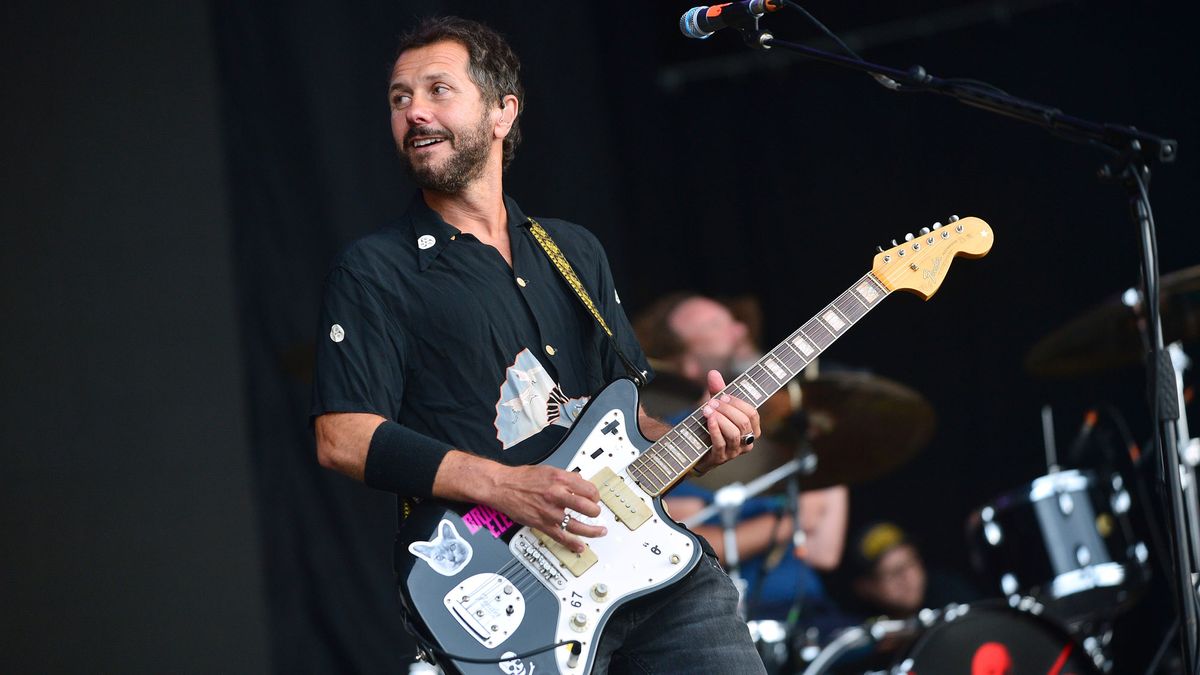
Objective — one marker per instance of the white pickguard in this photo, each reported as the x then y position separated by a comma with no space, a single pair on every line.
629,561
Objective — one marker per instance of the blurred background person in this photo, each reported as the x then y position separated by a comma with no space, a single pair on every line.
890,576
685,335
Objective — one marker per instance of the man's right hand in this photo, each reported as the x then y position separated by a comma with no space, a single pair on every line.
537,496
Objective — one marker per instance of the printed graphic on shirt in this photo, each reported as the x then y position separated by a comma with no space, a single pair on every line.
447,553
530,401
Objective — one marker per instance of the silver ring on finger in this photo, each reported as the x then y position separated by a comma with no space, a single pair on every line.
748,439
565,521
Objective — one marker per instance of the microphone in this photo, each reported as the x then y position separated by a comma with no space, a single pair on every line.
701,22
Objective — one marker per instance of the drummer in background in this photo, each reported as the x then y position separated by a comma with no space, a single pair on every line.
685,336
891,578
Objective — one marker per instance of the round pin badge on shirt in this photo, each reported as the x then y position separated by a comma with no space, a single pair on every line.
426,241
336,333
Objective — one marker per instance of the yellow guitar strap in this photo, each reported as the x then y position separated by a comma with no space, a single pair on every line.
568,274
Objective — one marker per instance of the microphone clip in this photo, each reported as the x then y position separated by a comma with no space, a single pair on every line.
754,37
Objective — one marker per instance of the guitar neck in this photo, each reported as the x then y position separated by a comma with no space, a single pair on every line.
670,458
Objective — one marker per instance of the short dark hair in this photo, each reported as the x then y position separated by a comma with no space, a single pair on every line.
653,327
492,65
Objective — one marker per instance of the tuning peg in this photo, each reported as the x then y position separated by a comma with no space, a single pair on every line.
908,237
924,230
894,243
954,219
879,249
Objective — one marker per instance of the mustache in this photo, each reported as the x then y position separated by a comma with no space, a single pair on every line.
427,131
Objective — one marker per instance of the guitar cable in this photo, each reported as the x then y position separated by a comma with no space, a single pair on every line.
438,652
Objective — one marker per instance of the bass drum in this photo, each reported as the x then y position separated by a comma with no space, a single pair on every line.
994,639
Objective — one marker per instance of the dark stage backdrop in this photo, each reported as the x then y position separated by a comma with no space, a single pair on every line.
128,529
776,180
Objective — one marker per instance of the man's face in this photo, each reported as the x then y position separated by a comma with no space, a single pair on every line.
443,131
898,583
712,338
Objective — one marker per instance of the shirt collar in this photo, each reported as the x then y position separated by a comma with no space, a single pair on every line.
432,234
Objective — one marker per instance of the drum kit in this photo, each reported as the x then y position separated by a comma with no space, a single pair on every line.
1062,555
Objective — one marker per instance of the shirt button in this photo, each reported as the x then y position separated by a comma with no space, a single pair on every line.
550,350
520,282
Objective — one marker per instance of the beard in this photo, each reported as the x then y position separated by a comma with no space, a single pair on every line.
463,166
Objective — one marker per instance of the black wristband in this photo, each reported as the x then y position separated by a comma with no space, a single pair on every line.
403,461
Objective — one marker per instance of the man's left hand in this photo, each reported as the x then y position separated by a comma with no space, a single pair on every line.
729,419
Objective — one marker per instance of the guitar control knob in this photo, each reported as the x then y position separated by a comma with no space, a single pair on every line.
600,592
908,237
953,219
924,230
579,621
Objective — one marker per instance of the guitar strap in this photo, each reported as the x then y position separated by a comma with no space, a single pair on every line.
568,274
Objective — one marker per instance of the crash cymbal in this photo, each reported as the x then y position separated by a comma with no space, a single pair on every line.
1108,336
860,426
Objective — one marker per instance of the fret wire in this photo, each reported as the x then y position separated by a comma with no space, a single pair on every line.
651,469
665,460
848,308
674,451
822,338
661,467
788,343
698,445
763,370
765,388
804,361
665,466
699,429
635,473
841,315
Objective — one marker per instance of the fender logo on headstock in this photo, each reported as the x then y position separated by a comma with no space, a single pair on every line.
931,272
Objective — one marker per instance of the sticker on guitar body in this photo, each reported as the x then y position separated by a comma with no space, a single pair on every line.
485,516
447,553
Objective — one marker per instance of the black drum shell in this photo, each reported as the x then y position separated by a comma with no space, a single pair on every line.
1065,539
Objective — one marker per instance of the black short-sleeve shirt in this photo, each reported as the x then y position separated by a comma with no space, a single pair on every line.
429,327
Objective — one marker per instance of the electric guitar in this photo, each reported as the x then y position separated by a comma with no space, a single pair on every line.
487,595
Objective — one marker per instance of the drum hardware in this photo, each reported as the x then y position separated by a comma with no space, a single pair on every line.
728,501
1120,332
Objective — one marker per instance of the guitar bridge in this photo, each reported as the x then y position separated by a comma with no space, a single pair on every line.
488,606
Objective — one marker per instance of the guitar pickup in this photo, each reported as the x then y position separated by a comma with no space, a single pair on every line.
619,497
576,563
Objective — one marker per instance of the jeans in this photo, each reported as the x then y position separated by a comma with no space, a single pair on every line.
692,627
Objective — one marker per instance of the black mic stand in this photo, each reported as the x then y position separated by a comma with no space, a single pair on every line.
1131,153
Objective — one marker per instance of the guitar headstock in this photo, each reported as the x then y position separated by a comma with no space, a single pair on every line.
919,264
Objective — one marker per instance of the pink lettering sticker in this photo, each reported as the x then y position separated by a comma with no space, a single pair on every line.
484,516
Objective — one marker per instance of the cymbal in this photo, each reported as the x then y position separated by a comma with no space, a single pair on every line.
1108,337
860,426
